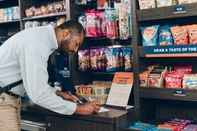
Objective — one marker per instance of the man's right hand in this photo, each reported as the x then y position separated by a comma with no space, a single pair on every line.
88,108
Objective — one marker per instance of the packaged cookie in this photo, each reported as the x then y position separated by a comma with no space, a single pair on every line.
150,35
81,61
128,59
190,81
165,36
146,4
180,35
183,69
162,3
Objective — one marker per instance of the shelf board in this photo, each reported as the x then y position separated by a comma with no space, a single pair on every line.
104,42
165,12
9,21
45,16
172,51
164,93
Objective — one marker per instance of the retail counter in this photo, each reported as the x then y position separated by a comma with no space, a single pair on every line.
112,120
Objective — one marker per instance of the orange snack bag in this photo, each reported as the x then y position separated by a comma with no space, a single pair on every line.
180,35
192,31
143,77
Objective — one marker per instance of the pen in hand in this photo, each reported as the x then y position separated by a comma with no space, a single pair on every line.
90,98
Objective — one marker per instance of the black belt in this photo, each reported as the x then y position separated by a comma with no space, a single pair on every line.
9,87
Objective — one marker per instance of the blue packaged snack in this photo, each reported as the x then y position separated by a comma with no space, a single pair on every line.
128,60
81,19
110,67
118,58
150,35
165,36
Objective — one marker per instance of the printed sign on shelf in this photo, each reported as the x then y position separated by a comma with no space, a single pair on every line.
179,9
179,93
120,90
171,51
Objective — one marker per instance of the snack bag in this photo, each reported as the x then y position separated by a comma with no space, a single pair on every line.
180,35
109,60
174,79
155,79
81,19
143,77
165,36
118,58
184,69
150,35
93,59
103,24
190,81
81,61
192,31
162,3
146,4
127,54
103,58
181,2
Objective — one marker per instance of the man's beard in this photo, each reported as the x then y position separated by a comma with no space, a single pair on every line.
64,48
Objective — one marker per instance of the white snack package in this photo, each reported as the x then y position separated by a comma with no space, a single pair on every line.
146,4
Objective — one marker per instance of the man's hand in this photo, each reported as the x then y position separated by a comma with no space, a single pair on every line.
67,96
88,108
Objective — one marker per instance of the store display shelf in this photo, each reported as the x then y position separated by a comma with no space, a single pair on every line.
168,51
166,12
45,16
169,94
9,21
109,41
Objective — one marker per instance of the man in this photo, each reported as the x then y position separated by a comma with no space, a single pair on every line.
24,57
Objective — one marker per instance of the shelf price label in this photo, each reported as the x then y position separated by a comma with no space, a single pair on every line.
179,93
171,51
179,9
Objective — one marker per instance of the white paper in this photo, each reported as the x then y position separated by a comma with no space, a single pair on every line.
102,109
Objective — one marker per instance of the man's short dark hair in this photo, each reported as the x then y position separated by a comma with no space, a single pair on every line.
74,26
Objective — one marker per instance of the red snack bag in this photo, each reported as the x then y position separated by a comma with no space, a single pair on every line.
180,35
174,79
184,69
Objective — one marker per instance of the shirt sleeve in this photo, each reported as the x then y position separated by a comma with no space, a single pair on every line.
33,59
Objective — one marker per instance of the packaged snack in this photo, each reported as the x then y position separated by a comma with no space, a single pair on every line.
10,13
81,19
192,31
184,69
181,2
143,77
87,59
103,24
44,23
1,14
150,35
93,23
110,65
162,3
28,24
59,7
146,4
30,11
81,61
101,4
118,58
51,8
61,20
103,58
174,79
16,13
190,81
93,59
180,35
123,22
37,11
128,59
98,59
35,24
155,79
44,10
165,36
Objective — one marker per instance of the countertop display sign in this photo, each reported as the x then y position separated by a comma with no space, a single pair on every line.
171,51
120,90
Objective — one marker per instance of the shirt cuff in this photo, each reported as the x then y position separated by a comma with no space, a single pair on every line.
71,107
53,89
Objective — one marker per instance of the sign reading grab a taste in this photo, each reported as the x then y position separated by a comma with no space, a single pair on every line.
171,51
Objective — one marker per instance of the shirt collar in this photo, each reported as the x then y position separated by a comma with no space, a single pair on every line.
52,38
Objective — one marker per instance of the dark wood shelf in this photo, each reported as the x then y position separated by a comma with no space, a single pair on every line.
44,16
164,93
104,41
165,12
9,21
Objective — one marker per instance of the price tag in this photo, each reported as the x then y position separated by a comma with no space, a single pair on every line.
179,9
179,93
